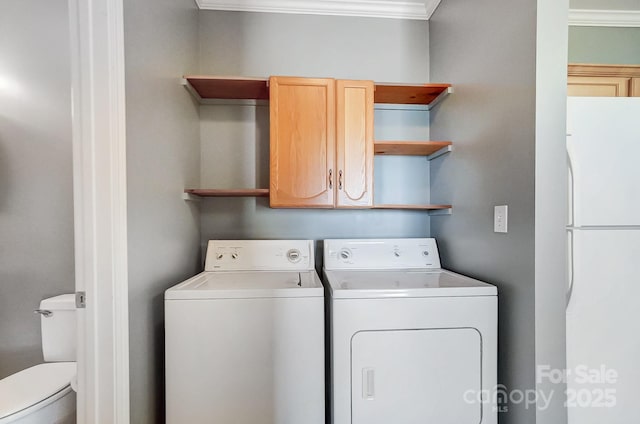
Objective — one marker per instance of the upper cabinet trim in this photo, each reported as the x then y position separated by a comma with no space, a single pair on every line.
395,9
596,70
604,18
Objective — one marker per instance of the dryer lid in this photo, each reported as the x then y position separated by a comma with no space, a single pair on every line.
31,386
404,283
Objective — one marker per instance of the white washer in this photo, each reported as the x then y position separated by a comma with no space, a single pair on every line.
245,338
411,343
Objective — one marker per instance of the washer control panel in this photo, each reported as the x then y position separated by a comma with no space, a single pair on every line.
255,255
381,254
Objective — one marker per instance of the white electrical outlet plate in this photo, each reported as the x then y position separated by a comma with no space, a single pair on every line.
500,218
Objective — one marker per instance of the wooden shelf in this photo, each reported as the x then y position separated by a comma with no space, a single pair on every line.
249,192
413,207
207,87
409,148
242,88
410,94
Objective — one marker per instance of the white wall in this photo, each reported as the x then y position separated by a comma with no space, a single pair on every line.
235,140
36,193
163,157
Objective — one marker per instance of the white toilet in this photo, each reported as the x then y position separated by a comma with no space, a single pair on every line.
43,394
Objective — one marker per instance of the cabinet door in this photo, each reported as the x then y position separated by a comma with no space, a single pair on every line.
302,113
635,87
354,135
598,86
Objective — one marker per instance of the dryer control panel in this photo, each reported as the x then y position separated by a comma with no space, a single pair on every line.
260,255
410,253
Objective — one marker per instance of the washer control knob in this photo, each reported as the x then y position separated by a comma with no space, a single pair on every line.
219,256
396,253
293,255
425,253
345,254
234,256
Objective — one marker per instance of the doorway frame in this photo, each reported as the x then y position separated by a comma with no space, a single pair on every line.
100,208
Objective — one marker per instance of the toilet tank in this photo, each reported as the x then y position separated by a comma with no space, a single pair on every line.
59,328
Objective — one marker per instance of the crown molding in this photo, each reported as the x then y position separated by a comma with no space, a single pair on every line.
604,18
407,9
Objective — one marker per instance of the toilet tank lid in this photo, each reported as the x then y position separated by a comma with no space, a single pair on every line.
57,303
33,385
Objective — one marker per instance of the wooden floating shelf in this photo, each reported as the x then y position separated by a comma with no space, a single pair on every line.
237,88
410,148
413,207
264,192
249,192
410,94
245,88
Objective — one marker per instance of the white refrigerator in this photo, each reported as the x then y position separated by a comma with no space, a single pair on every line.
603,299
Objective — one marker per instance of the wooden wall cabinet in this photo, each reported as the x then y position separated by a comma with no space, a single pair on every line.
598,87
603,80
321,143
635,87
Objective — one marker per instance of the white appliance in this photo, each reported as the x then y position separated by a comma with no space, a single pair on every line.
245,338
603,319
411,343
43,394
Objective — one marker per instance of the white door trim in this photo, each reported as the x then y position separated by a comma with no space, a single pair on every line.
100,194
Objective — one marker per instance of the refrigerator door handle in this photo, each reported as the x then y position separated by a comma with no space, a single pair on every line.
572,183
571,269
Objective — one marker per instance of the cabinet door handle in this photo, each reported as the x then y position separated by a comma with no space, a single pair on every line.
330,179
340,180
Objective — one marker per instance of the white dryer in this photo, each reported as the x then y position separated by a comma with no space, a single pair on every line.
245,338
410,343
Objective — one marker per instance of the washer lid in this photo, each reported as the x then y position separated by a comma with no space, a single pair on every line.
29,387
248,284
407,283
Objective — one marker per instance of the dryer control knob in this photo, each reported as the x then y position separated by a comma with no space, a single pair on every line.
234,256
219,256
345,254
293,255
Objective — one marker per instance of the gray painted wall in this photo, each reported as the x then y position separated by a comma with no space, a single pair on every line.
235,139
604,45
605,4
163,152
36,187
491,120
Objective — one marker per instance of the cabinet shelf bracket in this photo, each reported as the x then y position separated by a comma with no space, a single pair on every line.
191,197
440,98
437,212
190,89
440,152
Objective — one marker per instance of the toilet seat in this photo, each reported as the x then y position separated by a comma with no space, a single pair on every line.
34,388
